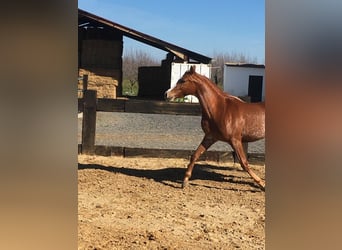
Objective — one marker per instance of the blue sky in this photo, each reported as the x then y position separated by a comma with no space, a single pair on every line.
206,27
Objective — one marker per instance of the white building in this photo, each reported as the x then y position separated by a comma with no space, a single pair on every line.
245,80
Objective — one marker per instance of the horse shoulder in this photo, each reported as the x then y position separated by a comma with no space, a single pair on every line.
232,106
205,125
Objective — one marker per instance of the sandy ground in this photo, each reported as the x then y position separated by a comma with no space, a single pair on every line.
138,203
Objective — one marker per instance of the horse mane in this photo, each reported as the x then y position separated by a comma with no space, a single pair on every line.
217,89
235,98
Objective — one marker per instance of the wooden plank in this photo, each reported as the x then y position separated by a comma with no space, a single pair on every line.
218,156
146,106
85,83
102,150
182,108
162,107
80,104
159,153
89,122
117,151
225,156
111,105
109,150
256,158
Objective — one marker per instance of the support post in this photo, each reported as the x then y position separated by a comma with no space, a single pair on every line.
85,83
89,122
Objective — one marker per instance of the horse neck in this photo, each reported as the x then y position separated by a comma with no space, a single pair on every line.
210,98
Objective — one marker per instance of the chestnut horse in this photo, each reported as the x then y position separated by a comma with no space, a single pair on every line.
224,118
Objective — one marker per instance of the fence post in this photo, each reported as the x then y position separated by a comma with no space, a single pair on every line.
85,83
89,122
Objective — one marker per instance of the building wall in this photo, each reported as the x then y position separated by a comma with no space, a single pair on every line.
236,79
155,80
100,56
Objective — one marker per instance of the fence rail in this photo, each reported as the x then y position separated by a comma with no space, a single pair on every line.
219,156
89,105
144,106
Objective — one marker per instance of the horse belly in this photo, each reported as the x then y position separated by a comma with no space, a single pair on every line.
254,129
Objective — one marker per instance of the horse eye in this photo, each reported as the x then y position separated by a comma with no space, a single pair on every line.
180,81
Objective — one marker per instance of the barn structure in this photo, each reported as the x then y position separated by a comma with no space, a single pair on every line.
245,80
100,50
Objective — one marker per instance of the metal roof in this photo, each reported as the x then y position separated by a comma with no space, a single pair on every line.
86,18
245,65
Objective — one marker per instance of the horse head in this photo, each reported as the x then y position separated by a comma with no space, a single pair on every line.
185,86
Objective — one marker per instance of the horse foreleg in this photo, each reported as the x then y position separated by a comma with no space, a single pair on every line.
238,147
205,144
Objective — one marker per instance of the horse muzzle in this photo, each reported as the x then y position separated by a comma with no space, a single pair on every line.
168,97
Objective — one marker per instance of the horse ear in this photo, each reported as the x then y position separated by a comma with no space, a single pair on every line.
192,69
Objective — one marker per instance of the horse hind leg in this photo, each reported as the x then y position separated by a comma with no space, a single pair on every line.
205,144
235,156
238,148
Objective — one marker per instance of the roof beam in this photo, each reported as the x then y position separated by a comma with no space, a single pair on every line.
179,54
182,53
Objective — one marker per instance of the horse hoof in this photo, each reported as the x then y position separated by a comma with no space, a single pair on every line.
262,186
185,184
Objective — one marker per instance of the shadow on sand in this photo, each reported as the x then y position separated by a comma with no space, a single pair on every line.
173,177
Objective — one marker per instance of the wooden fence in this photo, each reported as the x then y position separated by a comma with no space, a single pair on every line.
89,105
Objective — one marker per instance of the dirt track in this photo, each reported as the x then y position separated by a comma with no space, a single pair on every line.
137,203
